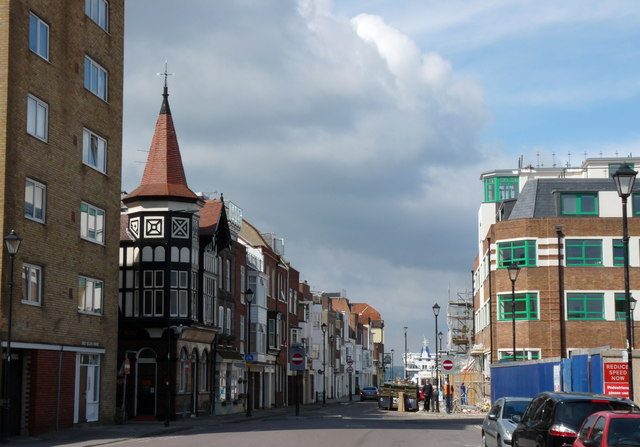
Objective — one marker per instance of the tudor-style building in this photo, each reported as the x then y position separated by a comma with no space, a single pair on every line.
167,327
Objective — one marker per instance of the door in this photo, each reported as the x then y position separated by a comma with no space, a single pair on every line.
146,389
15,391
88,388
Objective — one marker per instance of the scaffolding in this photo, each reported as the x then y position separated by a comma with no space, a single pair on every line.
460,322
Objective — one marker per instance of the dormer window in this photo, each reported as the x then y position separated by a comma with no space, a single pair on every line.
579,204
497,189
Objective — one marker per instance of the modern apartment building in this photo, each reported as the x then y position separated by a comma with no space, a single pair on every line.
60,162
563,228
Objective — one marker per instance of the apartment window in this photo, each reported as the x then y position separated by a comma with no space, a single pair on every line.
208,295
228,331
621,306
585,306
37,117
526,306
38,36
497,189
618,253
583,252
221,317
521,354
34,200
243,283
98,11
90,295
579,204
272,333
94,151
179,294
522,253
153,294
31,284
91,223
227,275
95,78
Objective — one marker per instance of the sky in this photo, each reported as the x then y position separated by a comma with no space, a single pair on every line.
357,130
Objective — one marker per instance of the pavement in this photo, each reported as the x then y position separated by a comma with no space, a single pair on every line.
100,435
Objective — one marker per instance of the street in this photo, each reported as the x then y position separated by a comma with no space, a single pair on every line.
358,424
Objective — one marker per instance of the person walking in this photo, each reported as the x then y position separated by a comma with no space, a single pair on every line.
434,398
428,395
463,394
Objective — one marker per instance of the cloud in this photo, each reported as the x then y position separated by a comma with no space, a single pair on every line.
344,136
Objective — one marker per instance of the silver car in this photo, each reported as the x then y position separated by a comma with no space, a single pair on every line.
498,424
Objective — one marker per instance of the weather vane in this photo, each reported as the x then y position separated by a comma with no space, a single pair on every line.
165,74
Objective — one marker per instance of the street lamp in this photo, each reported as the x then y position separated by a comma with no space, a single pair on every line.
624,178
440,338
392,352
633,332
405,353
514,270
324,364
436,311
248,296
12,242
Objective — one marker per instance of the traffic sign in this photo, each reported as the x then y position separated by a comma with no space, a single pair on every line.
349,361
248,357
350,369
296,358
447,365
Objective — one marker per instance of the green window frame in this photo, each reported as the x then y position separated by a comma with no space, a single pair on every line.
579,204
635,205
526,306
621,306
613,167
521,252
521,354
583,252
618,253
586,306
497,189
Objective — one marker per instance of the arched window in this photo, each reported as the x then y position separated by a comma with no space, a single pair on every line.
159,254
175,254
184,254
147,254
182,383
204,371
194,368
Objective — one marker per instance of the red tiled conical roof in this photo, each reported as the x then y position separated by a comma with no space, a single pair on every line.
164,174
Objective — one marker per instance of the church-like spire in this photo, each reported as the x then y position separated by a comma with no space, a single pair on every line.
164,175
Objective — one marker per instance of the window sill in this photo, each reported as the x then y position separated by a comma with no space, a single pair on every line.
40,56
33,219
93,241
31,303
86,312
93,168
44,140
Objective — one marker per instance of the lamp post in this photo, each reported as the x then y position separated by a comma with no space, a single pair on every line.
436,311
392,352
248,296
514,270
324,364
633,331
624,178
12,242
405,353
440,339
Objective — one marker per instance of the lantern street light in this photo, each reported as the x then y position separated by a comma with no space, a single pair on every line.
392,352
12,242
436,311
248,296
405,353
624,178
514,271
440,338
324,364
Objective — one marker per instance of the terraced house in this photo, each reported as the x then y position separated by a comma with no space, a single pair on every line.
563,228
60,163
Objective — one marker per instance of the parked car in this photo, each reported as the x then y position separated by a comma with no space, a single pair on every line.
498,424
369,393
552,419
609,429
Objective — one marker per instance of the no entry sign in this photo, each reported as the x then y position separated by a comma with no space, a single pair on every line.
296,358
447,365
616,379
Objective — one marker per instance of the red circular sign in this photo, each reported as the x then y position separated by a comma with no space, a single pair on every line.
297,359
447,365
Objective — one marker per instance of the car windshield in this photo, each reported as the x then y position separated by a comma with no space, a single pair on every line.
369,389
511,408
571,414
624,432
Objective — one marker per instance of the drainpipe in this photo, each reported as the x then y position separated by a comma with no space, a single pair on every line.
561,292
490,304
214,355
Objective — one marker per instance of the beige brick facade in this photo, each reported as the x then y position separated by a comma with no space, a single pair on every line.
56,244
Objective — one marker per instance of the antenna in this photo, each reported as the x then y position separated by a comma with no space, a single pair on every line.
553,154
569,161
538,159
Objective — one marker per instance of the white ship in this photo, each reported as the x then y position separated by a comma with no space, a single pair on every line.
421,366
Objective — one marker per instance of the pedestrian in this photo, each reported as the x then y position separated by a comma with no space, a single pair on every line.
448,395
428,395
436,396
463,394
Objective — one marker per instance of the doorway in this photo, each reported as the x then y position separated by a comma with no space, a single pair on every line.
146,389
88,388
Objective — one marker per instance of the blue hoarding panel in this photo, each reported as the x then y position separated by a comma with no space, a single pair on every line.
580,373
524,380
566,375
595,374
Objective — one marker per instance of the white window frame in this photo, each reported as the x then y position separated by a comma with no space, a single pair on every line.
93,11
36,186
39,23
228,329
84,307
221,317
85,221
27,291
94,67
87,136
37,105
227,275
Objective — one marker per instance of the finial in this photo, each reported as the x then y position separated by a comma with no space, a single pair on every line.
165,92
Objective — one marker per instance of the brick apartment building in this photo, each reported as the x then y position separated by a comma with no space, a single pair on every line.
60,163
563,227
